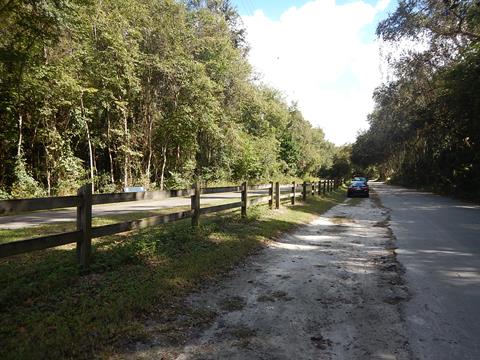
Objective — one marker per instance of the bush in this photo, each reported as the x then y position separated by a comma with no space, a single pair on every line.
177,181
25,186
103,183
145,182
70,173
4,195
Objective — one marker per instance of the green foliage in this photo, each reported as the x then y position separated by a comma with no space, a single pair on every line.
4,195
25,186
103,183
290,153
425,130
127,92
342,165
70,172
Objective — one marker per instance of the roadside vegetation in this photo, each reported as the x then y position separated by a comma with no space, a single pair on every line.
425,129
140,92
50,310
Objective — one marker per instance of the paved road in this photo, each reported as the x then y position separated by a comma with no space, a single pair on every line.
438,243
68,215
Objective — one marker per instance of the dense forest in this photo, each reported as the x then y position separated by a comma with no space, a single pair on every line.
425,128
140,92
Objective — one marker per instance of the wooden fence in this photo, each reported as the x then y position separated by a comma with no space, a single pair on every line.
85,200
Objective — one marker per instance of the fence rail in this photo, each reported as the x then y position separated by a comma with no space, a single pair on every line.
137,196
40,243
138,224
22,205
85,200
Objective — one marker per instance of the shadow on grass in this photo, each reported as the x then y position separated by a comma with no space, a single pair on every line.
50,310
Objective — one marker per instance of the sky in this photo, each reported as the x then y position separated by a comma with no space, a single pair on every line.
322,54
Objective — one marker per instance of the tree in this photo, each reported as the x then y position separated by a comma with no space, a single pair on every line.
424,129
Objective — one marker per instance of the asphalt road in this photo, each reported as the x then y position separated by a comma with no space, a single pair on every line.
438,243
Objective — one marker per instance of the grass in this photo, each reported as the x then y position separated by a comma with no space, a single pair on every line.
51,310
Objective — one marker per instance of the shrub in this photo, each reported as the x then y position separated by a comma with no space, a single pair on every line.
4,195
103,183
25,186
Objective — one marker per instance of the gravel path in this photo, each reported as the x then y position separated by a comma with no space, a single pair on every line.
330,290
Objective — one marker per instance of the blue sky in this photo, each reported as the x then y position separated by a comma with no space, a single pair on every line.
274,9
322,54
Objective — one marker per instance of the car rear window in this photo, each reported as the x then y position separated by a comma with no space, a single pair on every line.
358,183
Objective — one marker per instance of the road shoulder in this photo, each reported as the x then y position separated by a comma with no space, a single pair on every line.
332,290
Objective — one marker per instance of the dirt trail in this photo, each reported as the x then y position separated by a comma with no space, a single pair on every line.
330,290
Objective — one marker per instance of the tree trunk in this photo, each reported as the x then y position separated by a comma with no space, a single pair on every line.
109,141
19,146
125,162
49,186
164,163
149,162
177,163
47,166
90,153
125,172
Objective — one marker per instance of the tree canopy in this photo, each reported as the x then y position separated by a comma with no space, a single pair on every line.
425,128
139,92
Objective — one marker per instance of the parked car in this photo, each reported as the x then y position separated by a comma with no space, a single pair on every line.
358,188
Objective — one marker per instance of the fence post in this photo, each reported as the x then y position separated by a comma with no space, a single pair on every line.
270,192
319,190
293,193
324,187
244,199
277,195
84,224
195,205
313,188
304,191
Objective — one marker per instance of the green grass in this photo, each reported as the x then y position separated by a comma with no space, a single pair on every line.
51,310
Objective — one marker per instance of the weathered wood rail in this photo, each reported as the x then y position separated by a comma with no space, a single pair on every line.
85,200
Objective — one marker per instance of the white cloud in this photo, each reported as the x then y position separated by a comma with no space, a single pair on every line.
316,55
